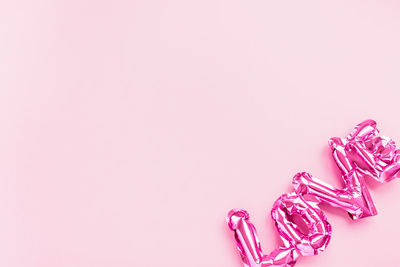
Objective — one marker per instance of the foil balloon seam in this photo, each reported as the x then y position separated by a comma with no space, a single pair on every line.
301,225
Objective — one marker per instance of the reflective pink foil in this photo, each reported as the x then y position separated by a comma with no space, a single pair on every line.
308,241
354,198
362,154
374,155
302,226
296,241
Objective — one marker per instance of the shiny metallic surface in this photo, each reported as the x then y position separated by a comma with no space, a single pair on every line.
372,154
295,241
361,155
302,226
318,229
354,198
249,246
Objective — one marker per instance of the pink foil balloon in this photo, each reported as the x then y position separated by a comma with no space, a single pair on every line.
374,155
302,226
296,241
308,241
362,154
354,198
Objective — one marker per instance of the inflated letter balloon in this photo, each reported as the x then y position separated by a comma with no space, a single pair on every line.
354,198
374,155
301,225
318,232
296,242
249,246
362,154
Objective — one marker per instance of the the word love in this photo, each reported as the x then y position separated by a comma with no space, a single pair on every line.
364,153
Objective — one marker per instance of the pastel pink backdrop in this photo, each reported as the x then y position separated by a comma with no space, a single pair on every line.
128,129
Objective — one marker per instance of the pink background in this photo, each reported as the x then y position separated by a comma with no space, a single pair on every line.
128,129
